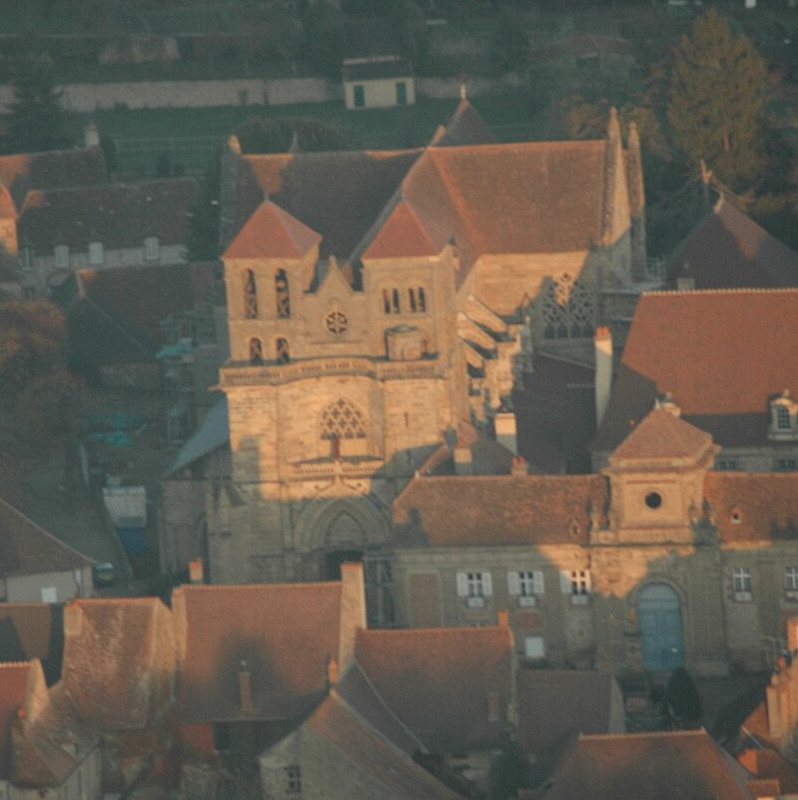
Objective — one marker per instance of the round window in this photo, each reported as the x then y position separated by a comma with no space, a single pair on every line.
336,322
654,500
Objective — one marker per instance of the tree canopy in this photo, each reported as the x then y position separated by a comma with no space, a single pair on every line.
36,121
716,101
407,19
260,135
325,38
509,44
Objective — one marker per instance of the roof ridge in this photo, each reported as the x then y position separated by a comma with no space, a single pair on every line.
259,586
16,664
737,290
471,630
644,734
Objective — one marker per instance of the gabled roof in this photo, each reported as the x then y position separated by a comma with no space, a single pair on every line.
51,170
365,758
13,688
662,436
407,233
502,510
553,704
283,635
748,507
465,127
720,354
272,233
33,623
117,215
7,208
119,660
213,433
728,250
339,195
27,549
440,682
689,765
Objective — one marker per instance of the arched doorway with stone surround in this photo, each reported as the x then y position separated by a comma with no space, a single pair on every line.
659,623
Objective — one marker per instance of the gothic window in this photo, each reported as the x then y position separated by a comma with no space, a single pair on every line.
282,294
417,300
283,352
342,420
255,351
390,301
250,295
567,309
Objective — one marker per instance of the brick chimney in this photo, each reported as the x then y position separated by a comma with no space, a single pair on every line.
603,381
505,425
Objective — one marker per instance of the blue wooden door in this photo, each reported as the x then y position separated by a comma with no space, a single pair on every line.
659,620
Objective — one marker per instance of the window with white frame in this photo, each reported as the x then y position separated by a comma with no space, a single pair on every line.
783,417
96,253
786,464
791,579
474,587
741,583
576,582
526,585
61,254
152,248
534,648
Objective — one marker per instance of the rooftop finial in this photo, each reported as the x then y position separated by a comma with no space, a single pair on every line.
463,92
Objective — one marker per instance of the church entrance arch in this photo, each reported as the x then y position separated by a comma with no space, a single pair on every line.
659,620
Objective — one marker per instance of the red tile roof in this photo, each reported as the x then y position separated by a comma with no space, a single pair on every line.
27,549
365,761
721,354
465,127
7,208
118,215
51,170
272,233
283,634
339,195
728,250
662,435
768,764
554,704
753,507
689,765
439,682
407,233
13,687
502,510
119,660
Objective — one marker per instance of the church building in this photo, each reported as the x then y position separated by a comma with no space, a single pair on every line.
377,301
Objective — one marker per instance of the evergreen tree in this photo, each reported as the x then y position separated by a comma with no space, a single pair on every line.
325,38
36,122
716,101
407,19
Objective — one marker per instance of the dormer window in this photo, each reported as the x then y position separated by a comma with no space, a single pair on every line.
152,248
783,417
96,254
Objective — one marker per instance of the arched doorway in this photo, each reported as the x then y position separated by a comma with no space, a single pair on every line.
659,621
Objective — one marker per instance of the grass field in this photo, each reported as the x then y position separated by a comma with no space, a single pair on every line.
190,136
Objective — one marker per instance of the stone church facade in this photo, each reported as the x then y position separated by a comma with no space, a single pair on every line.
378,301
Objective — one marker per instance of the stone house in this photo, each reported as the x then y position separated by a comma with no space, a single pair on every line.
658,561
378,83
377,300
736,382
35,567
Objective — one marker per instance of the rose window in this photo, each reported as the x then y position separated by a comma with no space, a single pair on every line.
336,322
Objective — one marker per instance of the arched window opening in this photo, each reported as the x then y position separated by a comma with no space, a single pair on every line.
283,352
250,295
341,421
391,302
386,301
422,300
395,304
567,309
283,295
255,351
411,296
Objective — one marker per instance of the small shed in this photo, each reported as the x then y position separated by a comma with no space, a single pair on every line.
382,82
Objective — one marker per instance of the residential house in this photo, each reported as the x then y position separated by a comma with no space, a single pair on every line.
35,566
728,250
61,230
658,561
687,764
378,300
735,381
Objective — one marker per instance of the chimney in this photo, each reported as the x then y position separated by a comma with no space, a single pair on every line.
603,350
462,459
505,425
245,688
91,136
332,671
667,403
519,467
196,571
503,619
792,635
